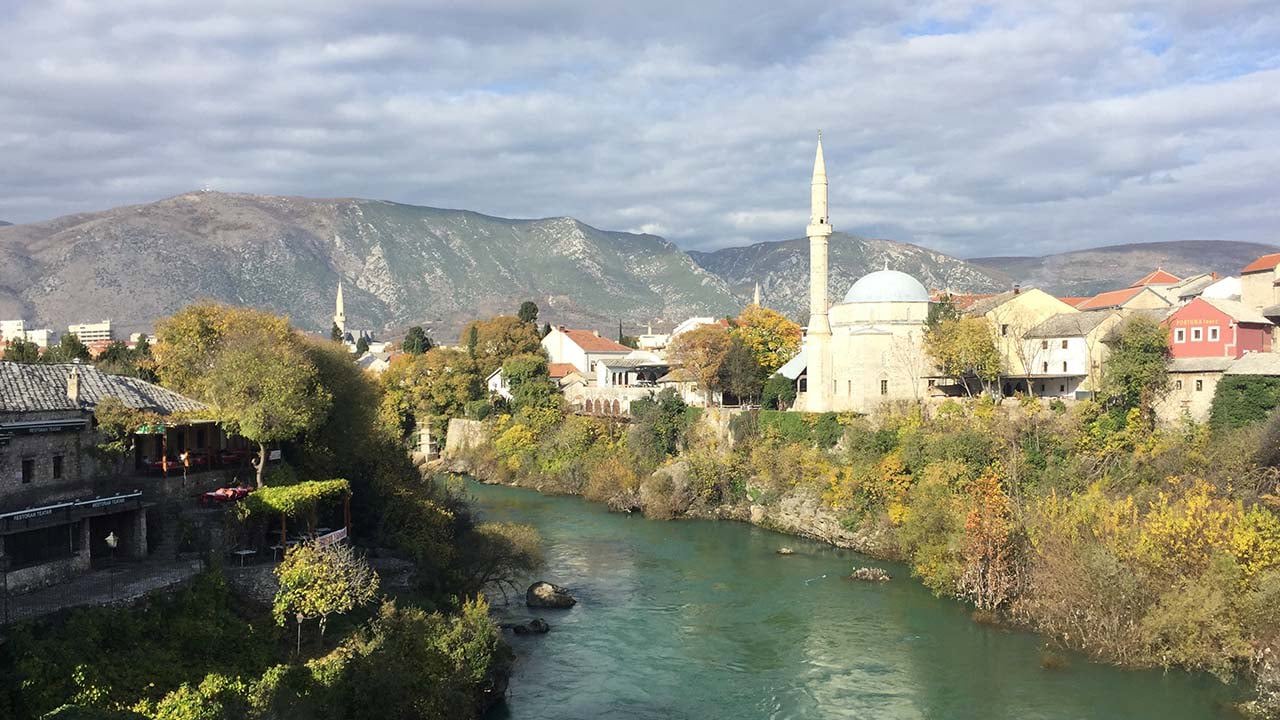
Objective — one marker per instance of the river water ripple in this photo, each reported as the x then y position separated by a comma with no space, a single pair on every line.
700,620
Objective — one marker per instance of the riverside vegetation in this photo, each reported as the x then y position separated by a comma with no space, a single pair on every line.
1136,543
428,650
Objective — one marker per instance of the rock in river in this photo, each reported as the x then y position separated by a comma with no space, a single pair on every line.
536,626
871,574
546,595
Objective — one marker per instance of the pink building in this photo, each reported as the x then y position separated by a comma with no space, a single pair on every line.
1208,327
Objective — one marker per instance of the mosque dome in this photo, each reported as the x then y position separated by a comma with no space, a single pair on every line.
886,286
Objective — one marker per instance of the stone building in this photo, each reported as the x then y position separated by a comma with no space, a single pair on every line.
58,501
868,349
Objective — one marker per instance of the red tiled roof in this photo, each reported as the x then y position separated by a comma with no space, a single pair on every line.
559,370
1072,300
591,342
1266,262
1157,277
961,301
1110,298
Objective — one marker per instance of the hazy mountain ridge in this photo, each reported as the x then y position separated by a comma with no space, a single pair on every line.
405,264
1090,271
782,269
400,264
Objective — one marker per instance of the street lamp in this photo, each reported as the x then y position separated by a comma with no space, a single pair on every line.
112,542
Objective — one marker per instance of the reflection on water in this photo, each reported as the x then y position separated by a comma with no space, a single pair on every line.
702,620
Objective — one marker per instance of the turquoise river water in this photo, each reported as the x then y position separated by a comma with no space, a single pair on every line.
702,620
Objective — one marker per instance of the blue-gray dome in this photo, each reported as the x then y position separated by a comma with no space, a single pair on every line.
887,286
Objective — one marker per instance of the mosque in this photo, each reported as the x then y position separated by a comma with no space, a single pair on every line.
868,349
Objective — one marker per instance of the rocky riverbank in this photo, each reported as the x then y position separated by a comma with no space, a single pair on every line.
667,494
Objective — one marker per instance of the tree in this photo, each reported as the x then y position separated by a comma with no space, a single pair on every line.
963,349
740,373
528,312
772,338
989,573
117,424
944,309
661,423
68,349
318,581
416,341
1136,374
546,330
530,383
189,341
265,391
21,350
362,345
497,555
335,333
701,352
778,393
490,342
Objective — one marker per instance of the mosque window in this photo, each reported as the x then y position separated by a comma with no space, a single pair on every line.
1044,344
1199,385
1064,366
1004,329
884,387
1064,344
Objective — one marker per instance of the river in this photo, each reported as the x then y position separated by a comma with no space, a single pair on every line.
702,620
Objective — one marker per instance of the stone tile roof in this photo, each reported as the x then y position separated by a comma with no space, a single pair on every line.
1200,364
34,388
1256,363
1237,311
1063,325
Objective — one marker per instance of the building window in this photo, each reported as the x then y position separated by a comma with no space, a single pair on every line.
1044,367
1213,334
848,388
1064,366
1004,329
931,382
28,470
1064,344
1197,334
1044,344
1199,385
884,387
57,467
1062,388
200,434
1180,335
1177,384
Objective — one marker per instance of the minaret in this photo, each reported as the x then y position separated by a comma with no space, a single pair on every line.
818,340
339,316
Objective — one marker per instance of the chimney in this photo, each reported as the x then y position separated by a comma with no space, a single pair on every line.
1017,289
73,384
596,333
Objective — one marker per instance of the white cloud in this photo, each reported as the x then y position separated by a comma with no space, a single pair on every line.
976,129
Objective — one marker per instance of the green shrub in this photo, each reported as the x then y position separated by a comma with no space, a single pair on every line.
1244,399
478,409
778,393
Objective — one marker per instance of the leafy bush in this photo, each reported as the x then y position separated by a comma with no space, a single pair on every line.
478,409
1244,399
778,393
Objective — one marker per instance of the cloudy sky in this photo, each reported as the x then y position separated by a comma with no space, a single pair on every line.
971,128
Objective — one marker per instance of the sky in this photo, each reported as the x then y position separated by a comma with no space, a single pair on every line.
1003,128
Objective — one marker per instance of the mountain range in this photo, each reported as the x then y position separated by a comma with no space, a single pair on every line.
405,264
1088,272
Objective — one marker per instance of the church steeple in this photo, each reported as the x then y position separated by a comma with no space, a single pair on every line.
339,314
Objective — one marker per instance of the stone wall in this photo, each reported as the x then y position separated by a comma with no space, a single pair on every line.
464,435
78,464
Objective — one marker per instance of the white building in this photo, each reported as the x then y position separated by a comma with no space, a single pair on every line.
92,332
11,330
581,348
497,384
42,337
